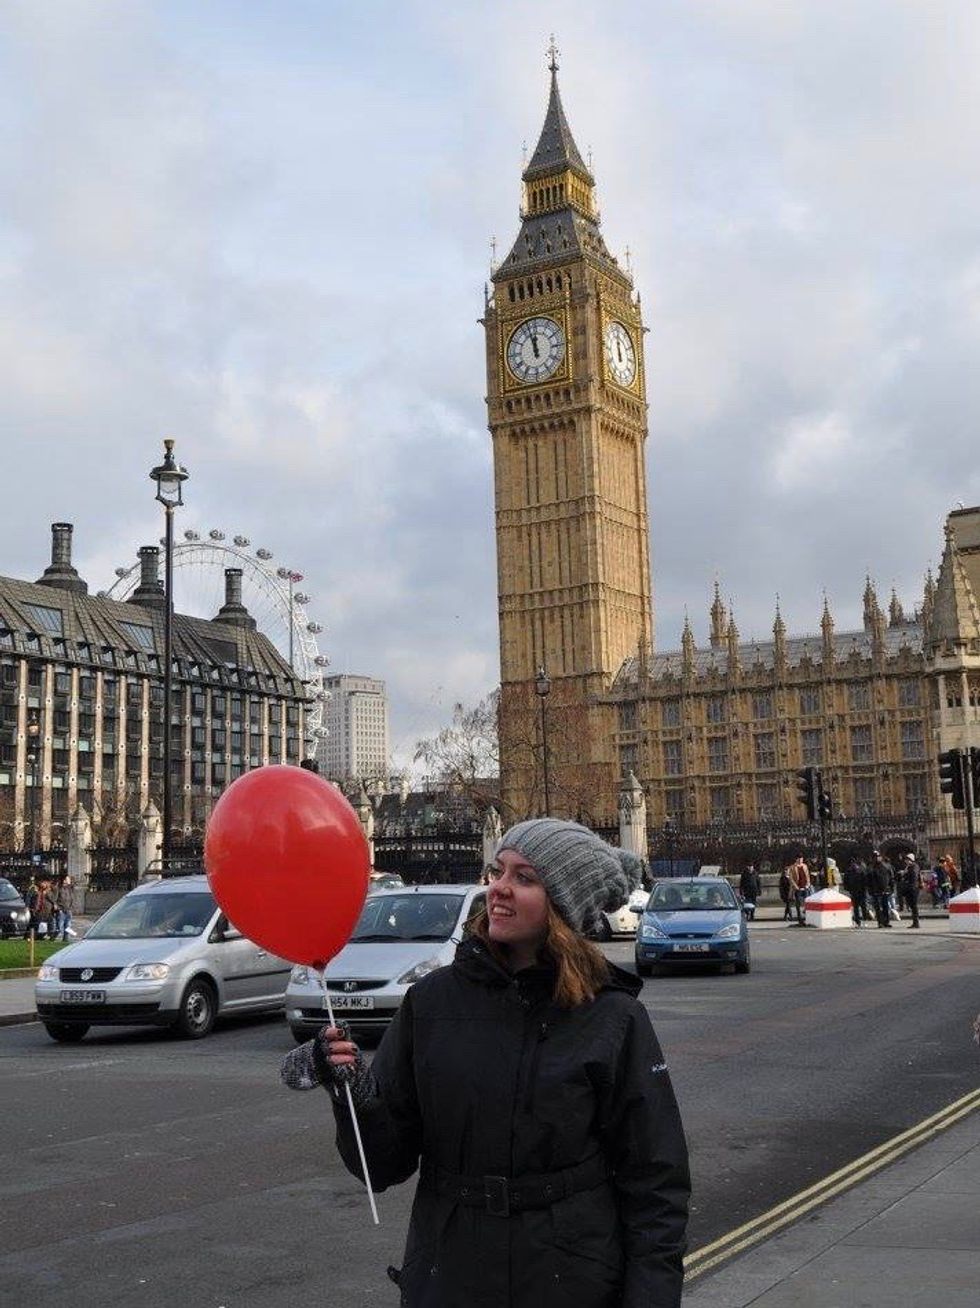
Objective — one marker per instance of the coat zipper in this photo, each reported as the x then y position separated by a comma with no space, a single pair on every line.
533,1069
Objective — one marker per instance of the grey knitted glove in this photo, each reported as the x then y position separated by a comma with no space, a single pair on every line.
309,1065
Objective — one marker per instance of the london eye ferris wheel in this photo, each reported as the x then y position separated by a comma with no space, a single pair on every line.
270,591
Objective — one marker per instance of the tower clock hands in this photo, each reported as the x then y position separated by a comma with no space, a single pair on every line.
534,345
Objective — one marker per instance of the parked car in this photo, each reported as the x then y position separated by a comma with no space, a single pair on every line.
14,915
400,937
692,920
623,921
163,955
384,881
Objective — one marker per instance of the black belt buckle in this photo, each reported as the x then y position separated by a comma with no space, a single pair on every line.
497,1196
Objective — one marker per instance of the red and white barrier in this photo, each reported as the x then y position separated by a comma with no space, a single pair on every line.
829,909
964,910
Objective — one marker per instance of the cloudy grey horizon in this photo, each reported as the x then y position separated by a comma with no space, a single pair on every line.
265,231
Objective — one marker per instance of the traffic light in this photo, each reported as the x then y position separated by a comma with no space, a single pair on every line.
806,789
825,806
951,776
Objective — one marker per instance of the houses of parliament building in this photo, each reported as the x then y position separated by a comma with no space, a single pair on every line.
717,729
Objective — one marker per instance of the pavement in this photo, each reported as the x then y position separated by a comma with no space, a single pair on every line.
900,1226
908,1234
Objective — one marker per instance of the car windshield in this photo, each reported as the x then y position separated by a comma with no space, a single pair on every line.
408,917
8,890
149,917
692,896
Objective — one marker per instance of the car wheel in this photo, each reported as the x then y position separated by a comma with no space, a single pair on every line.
300,1034
66,1033
198,1009
644,969
743,965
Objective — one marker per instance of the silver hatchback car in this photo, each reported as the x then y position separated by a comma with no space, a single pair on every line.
164,955
400,937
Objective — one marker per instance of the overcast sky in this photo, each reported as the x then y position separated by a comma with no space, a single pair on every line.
264,229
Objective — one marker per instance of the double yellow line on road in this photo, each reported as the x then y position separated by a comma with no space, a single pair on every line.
790,1210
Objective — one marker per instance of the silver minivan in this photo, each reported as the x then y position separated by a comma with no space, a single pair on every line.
163,955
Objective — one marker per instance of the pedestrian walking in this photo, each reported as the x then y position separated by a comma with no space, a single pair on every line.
881,881
909,888
750,888
800,880
943,882
526,1084
856,885
786,893
952,875
64,908
44,910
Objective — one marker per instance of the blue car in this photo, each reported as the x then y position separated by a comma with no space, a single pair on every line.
692,920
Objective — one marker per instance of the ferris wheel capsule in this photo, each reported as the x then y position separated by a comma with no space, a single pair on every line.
121,572
321,660
300,598
215,534
191,534
314,628
242,541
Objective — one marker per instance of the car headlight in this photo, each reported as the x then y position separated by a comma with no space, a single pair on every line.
19,915
651,931
299,976
47,972
419,971
729,932
148,972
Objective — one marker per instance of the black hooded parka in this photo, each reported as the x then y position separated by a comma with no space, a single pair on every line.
481,1074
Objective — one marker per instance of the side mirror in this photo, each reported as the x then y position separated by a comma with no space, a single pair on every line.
637,909
223,930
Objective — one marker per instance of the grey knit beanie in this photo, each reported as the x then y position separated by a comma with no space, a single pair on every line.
583,876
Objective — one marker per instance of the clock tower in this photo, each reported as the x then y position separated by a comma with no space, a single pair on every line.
566,401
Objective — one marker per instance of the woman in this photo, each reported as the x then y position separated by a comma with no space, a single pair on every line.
526,1084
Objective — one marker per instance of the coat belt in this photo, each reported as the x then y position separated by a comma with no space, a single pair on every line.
503,1195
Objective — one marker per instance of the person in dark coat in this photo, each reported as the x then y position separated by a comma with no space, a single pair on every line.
856,885
527,1086
881,884
750,888
909,886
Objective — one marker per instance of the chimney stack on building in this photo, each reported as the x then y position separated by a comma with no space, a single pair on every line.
60,572
149,594
233,612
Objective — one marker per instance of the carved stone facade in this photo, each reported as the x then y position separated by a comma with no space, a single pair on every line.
567,412
713,732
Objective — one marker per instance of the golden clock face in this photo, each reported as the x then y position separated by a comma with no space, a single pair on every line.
535,350
620,354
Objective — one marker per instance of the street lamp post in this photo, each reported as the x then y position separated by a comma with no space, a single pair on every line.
169,477
33,759
542,688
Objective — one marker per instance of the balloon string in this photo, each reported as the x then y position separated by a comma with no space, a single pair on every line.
350,1104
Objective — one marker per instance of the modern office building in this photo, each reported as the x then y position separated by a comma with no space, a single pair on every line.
356,746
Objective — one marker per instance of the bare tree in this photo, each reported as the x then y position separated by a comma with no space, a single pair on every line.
465,756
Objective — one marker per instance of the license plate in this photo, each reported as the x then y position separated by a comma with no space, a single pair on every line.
83,996
353,1001
690,949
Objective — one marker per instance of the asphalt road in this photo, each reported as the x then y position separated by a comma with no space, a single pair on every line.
140,1169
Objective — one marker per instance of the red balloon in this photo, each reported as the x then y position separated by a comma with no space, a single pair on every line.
288,862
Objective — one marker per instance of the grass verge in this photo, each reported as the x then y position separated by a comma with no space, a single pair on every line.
16,953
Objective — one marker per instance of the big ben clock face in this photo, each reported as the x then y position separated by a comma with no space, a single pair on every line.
536,349
620,354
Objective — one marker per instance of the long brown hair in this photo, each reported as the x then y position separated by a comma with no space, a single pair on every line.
581,968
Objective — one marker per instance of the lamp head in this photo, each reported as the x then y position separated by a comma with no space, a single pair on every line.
169,477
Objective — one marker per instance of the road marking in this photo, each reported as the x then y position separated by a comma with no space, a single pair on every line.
790,1210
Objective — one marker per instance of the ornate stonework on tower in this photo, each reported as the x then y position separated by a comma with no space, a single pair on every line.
567,414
